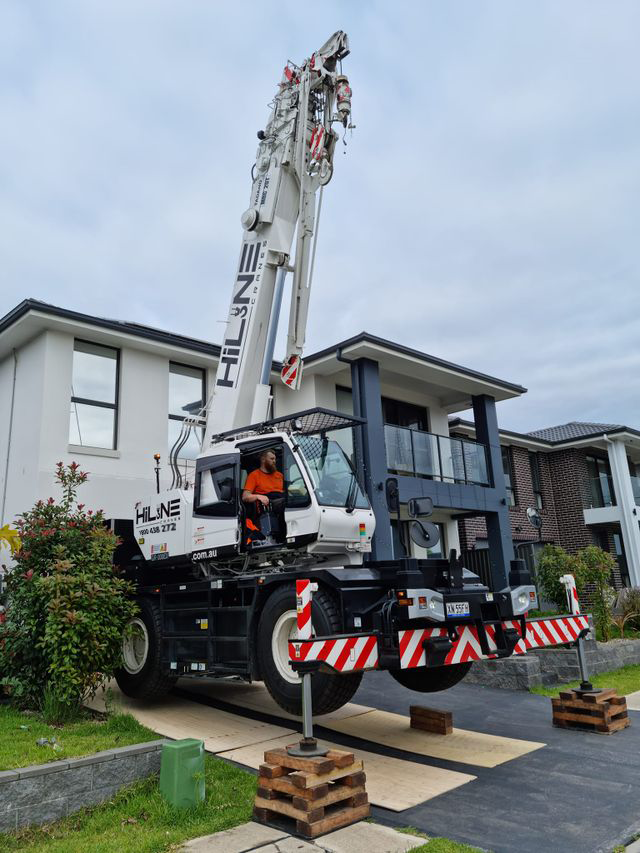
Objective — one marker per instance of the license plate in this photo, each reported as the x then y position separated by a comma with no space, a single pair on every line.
458,608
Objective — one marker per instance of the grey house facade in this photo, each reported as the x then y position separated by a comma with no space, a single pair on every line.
584,480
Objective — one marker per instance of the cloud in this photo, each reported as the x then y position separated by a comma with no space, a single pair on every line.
485,210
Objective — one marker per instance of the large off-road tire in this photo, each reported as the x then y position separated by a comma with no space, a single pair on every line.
426,679
277,625
142,676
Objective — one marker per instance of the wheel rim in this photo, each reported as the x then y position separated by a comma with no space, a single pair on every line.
285,629
135,646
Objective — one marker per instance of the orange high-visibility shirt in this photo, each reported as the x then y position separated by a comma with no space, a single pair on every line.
261,483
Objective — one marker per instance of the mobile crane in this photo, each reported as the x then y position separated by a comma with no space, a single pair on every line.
215,578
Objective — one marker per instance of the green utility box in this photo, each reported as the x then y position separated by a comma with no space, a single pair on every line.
182,772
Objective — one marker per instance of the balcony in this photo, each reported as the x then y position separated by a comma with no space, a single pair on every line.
436,457
601,492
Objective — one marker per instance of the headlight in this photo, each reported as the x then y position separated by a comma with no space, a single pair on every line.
523,599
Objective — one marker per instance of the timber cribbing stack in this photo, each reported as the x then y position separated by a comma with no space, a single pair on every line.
604,712
318,794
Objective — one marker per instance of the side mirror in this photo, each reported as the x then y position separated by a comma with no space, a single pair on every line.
425,535
392,495
420,507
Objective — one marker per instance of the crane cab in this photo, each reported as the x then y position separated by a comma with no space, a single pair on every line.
314,507
315,502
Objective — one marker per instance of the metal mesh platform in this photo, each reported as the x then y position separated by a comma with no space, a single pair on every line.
308,422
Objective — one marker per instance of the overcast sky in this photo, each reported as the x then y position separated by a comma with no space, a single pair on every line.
486,209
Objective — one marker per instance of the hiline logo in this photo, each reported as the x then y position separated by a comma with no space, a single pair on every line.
239,315
169,509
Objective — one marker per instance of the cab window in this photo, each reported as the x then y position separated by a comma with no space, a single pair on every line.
297,494
215,492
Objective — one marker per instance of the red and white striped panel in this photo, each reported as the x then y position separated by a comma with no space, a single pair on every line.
304,589
346,654
541,632
553,632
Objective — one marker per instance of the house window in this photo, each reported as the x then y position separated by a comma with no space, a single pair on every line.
401,414
536,480
186,400
93,420
507,467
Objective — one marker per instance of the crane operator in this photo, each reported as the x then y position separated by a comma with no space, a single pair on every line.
263,484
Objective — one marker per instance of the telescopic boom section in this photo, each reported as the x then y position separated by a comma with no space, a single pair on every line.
294,161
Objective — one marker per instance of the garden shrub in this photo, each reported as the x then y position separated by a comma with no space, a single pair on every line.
627,609
592,569
553,563
597,573
67,607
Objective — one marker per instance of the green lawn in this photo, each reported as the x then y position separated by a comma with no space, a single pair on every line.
19,733
139,820
437,845
624,681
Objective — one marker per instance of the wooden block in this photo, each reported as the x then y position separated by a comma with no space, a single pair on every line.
310,765
272,771
336,820
305,779
340,758
287,808
354,779
438,727
267,793
430,713
335,795
286,786
431,720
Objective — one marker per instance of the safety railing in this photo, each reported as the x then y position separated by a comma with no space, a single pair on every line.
601,491
436,457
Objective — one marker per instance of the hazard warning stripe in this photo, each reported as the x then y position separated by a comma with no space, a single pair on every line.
541,632
358,653
347,654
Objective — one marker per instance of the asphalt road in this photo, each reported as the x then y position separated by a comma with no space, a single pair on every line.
579,794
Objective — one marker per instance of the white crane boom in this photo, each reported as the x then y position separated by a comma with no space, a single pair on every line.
294,160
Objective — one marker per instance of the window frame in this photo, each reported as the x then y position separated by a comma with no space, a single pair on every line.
86,401
536,479
512,498
210,466
182,418
388,403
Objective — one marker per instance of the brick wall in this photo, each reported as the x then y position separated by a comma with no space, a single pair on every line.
471,529
565,494
569,476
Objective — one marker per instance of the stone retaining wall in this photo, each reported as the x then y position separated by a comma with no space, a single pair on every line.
547,667
47,792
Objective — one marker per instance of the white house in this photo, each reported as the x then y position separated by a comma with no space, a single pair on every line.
111,394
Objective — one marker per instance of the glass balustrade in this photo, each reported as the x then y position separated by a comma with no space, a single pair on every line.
601,492
436,457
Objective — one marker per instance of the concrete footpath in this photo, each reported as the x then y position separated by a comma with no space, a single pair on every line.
360,837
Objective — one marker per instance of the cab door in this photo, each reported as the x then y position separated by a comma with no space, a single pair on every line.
216,506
